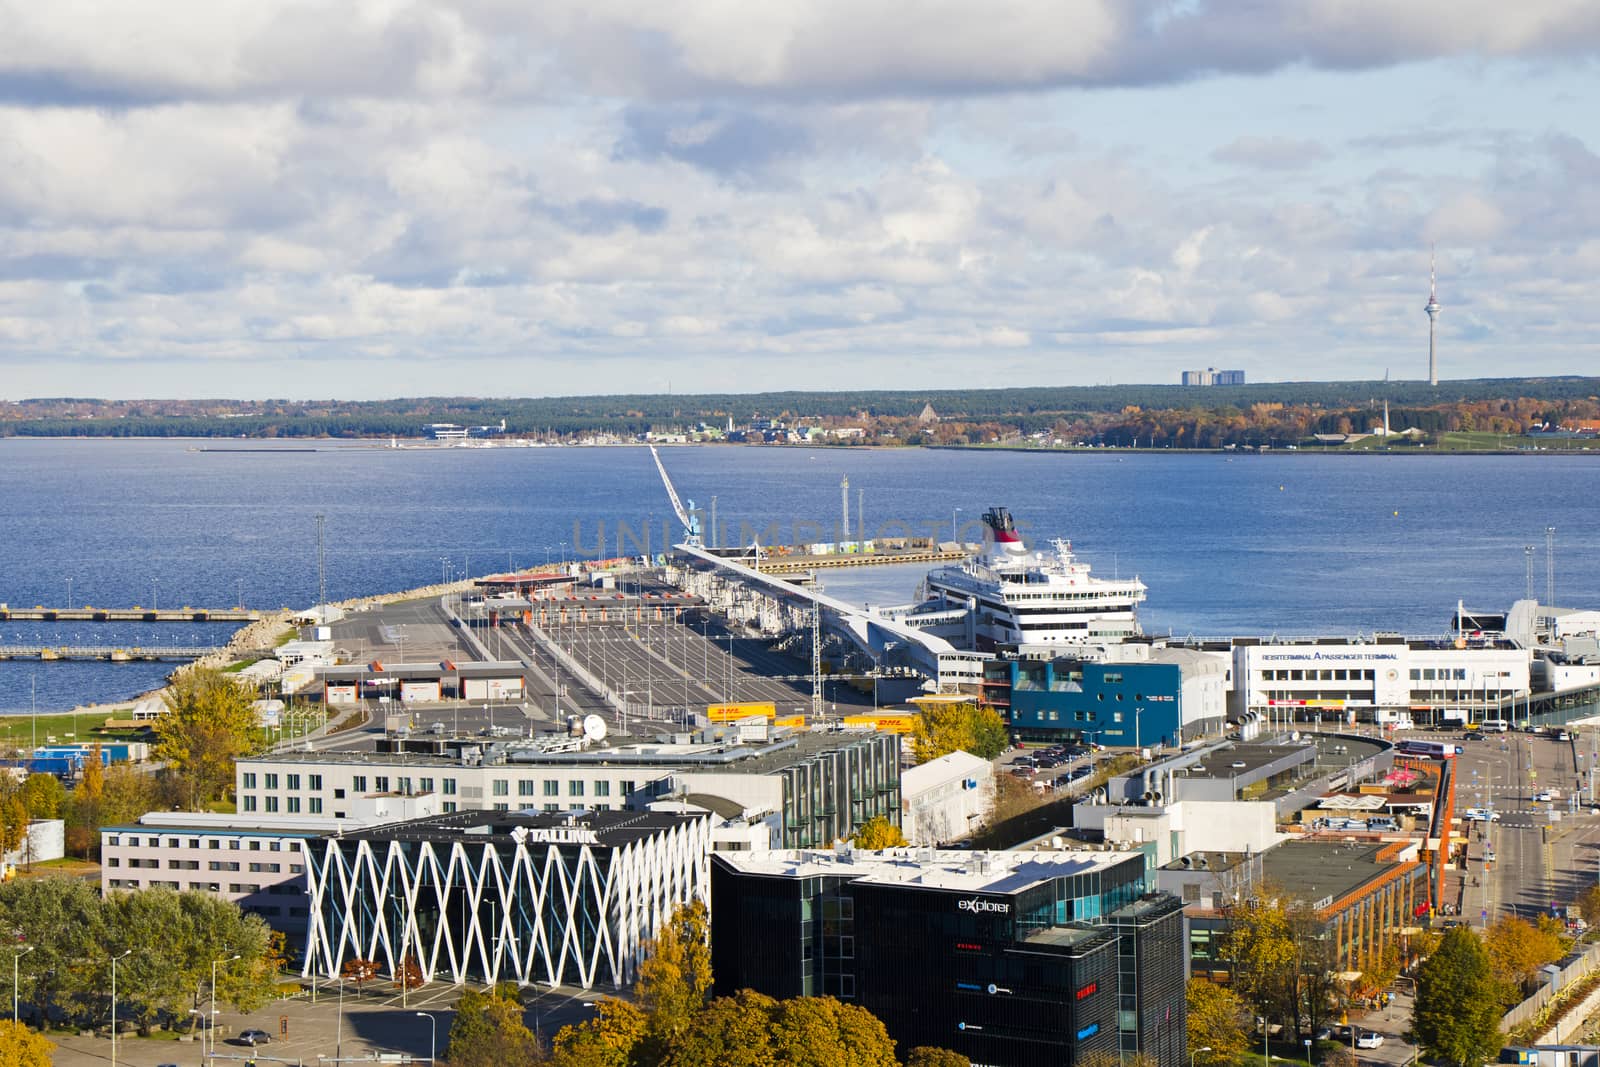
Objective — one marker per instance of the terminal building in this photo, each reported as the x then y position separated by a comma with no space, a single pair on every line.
1011,959
1431,682
566,898
804,788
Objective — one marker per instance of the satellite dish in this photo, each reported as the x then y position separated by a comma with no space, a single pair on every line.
594,728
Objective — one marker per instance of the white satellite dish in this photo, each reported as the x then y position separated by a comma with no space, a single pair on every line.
594,728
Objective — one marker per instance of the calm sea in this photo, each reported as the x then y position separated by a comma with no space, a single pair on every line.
1288,544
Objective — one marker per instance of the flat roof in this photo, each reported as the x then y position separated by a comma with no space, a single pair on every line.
377,670
610,829
955,870
1321,870
724,756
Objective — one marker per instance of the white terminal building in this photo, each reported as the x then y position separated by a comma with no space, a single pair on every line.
1388,679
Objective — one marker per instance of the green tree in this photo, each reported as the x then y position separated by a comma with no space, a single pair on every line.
44,796
209,724
944,728
613,1038
1217,1018
675,977
928,1056
488,1031
878,833
823,1032
21,1047
732,1031
1456,1016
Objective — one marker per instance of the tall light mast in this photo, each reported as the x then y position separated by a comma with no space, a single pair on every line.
1432,308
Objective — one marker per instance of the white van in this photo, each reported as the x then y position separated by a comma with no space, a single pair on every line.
1495,726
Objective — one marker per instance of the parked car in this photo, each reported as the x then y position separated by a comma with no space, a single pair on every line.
1022,772
1369,1039
254,1037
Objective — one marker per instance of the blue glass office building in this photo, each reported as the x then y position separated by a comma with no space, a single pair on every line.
1120,705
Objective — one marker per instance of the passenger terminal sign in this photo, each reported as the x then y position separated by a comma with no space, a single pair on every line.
980,906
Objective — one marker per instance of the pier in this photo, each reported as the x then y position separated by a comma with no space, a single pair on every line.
48,653
133,614
776,563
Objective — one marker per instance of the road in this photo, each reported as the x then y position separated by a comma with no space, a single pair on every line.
1544,852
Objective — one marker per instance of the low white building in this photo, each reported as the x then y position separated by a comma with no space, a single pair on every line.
945,799
45,840
1436,681
256,862
1169,831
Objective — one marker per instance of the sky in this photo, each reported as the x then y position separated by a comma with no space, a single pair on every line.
374,198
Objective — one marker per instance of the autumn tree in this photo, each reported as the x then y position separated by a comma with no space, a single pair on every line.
1456,1016
359,971
489,1031
928,1056
878,833
21,1047
675,977
1517,949
44,796
732,1031
1589,905
209,723
940,729
613,1038
1217,1019
825,1032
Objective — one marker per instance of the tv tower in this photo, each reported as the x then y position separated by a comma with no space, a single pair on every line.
1432,308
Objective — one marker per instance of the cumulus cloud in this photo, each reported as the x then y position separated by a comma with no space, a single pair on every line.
757,195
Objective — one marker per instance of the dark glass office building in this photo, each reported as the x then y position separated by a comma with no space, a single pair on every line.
1012,959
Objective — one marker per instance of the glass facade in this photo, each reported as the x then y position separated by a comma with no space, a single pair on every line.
1029,977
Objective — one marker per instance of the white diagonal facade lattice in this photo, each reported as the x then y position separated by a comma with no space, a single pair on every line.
490,909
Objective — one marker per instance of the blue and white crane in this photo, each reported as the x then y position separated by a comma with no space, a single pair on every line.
688,516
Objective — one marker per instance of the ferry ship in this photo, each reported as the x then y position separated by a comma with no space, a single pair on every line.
1022,600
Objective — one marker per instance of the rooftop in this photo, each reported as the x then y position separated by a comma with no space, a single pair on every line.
610,829
946,869
725,755
1320,872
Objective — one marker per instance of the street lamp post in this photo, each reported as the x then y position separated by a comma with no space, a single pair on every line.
433,1036
15,956
69,594
114,960
213,1027
1195,1052
953,535
338,1043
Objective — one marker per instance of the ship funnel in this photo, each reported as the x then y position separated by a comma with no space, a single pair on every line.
1003,531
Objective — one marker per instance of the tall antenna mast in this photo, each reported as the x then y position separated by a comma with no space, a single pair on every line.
1527,553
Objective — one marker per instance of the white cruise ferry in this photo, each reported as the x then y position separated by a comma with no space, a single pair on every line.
1022,599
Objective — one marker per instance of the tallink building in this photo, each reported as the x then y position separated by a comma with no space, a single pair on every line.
1014,959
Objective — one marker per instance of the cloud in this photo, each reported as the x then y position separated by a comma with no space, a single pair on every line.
719,139
1270,153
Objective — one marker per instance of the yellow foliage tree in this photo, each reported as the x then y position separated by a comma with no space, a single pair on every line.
675,977
941,729
209,723
21,1047
607,1040
877,833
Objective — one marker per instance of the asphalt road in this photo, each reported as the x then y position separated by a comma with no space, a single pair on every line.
1544,852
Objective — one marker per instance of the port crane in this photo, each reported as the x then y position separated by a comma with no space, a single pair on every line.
688,516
